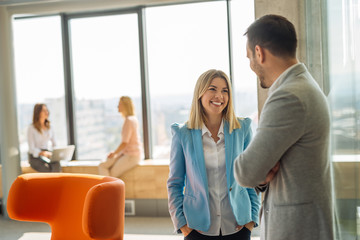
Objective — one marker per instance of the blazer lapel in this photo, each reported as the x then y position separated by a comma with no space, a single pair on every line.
228,152
199,155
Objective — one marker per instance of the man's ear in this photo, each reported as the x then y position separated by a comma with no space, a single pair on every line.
260,54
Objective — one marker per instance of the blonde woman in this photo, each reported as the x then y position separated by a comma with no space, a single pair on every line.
41,140
127,154
205,202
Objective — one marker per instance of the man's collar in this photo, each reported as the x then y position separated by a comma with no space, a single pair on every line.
282,76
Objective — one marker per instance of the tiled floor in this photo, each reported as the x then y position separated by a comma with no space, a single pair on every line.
136,228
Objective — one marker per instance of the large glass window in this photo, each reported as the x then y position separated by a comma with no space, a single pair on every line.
105,61
180,49
344,74
39,75
105,65
244,79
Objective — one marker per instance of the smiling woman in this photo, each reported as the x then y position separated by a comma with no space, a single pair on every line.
215,99
202,151
212,85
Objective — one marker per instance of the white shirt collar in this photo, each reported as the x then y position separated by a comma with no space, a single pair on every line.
206,130
278,81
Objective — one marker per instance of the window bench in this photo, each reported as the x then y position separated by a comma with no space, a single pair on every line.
146,181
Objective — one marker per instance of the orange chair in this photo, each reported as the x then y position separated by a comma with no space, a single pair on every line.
76,206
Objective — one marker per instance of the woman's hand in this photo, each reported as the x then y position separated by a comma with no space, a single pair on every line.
239,227
250,226
111,154
45,154
185,230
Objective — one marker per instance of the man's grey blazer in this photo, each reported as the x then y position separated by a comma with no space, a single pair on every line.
294,129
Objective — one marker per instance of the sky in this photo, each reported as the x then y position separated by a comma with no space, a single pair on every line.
183,42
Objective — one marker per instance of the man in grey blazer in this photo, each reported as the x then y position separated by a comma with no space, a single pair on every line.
288,157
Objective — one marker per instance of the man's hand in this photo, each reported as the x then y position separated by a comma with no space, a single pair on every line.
271,173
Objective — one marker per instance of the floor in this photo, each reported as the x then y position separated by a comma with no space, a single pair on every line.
136,228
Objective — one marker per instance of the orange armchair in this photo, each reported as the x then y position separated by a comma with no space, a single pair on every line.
76,206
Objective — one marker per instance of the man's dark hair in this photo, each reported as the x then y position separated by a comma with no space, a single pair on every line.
275,33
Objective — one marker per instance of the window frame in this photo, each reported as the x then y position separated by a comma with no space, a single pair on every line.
145,95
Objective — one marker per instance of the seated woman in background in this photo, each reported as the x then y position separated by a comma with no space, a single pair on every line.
40,139
127,154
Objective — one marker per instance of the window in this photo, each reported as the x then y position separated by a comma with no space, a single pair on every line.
180,49
344,97
244,79
39,75
105,61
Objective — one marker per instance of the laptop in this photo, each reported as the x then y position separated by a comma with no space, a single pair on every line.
62,153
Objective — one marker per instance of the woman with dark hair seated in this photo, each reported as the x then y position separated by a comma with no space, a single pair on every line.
41,139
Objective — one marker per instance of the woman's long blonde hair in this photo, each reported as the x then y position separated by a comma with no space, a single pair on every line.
197,113
36,117
129,109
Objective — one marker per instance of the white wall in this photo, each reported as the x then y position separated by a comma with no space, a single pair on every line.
9,145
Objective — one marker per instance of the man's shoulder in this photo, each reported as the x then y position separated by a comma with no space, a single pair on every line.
300,84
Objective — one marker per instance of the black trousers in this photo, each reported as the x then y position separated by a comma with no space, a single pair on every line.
41,164
243,234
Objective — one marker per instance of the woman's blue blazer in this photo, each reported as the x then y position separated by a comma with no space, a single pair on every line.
187,185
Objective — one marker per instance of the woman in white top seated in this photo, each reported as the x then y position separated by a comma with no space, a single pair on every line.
41,139
128,154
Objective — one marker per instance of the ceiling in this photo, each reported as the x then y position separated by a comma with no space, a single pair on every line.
31,7
21,2
28,2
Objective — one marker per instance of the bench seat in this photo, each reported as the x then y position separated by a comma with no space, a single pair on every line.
145,181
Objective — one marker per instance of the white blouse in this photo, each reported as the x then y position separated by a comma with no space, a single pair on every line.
221,213
38,141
